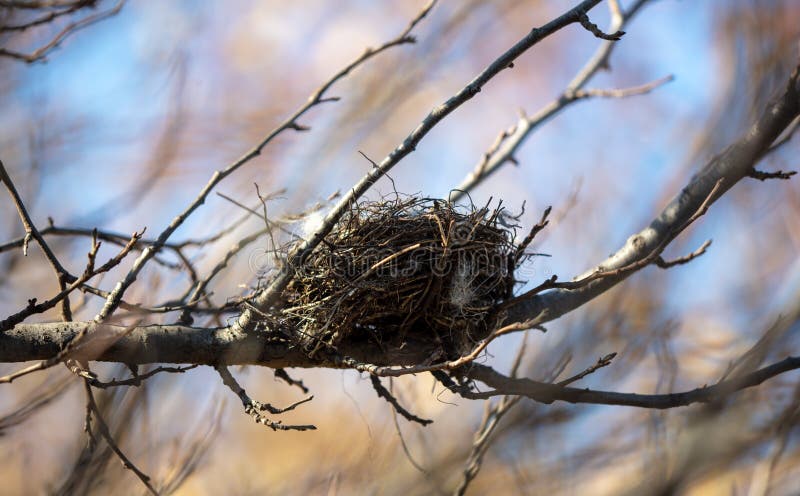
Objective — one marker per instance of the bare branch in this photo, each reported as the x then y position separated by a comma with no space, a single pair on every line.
763,176
91,406
642,89
45,19
532,234
592,28
502,151
89,273
254,408
664,264
603,361
111,237
63,276
136,380
717,177
785,138
385,394
548,393
284,376
42,52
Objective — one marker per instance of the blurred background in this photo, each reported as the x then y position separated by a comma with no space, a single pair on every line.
125,122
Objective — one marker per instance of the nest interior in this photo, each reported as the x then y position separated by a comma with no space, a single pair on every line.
411,268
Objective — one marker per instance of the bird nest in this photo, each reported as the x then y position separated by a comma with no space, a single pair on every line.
409,269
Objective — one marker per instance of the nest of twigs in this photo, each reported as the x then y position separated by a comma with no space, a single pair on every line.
411,268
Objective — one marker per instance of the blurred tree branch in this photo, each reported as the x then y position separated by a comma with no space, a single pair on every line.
68,8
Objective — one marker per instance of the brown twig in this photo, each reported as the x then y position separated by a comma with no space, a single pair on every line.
254,408
118,239
284,376
548,393
41,52
504,148
532,234
763,176
666,264
92,408
603,361
385,394
63,276
135,381
89,273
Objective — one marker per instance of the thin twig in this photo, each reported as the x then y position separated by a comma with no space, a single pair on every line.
41,52
603,361
385,394
89,273
63,276
254,408
592,28
103,429
532,234
642,89
45,19
284,376
666,264
504,148
763,176
136,380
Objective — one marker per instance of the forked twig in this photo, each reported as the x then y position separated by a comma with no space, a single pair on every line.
255,408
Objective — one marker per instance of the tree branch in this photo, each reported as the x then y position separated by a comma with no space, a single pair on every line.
64,277
41,52
548,393
503,149
717,177
184,345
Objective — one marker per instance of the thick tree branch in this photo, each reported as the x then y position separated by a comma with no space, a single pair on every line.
183,344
